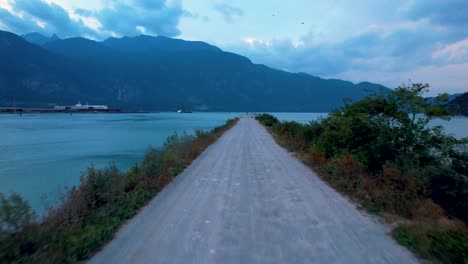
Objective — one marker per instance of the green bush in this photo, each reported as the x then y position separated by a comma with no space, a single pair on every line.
15,214
441,244
409,237
267,120
449,189
101,186
449,246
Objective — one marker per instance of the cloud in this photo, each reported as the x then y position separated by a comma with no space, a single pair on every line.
365,50
53,17
441,12
83,12
157,18
29,16
228,11
453,53
131,17
443,79
417,38
406,48
402,50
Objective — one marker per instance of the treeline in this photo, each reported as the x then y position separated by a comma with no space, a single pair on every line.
94,210
383,152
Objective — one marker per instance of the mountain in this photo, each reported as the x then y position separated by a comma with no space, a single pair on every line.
451,97
148,44
459,105
33,75
159,73
39,39
79,48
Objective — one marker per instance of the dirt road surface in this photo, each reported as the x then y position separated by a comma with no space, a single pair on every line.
247,200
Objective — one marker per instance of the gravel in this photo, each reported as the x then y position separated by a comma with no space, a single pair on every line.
247,200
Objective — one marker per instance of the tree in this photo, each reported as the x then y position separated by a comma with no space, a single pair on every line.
392,127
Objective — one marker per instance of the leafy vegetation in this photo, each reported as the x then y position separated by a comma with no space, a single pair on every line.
383,152
94,210
447,245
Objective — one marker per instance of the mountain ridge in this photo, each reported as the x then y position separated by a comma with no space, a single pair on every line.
39,39
160,73
459,105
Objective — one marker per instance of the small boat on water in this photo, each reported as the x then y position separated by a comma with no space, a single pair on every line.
183,110
180,111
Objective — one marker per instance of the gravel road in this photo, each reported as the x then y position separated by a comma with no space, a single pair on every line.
247,200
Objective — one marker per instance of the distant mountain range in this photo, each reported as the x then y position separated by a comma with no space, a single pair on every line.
459,105
156,73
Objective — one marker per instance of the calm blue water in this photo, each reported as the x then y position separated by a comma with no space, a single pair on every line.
38,153
457,126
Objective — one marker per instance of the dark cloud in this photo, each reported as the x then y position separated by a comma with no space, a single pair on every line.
442,12
13,23
228,11
133,17
55,18
399,49
156,18
52,17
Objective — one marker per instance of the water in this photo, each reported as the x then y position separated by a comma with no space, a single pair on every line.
299,117
457,126
39,153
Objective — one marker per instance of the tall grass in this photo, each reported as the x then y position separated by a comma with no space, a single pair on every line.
92,211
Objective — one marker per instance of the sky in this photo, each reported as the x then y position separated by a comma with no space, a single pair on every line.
387,41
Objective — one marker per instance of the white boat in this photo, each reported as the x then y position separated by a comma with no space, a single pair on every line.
180,111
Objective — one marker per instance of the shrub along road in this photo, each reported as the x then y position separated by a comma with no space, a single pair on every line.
247,200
